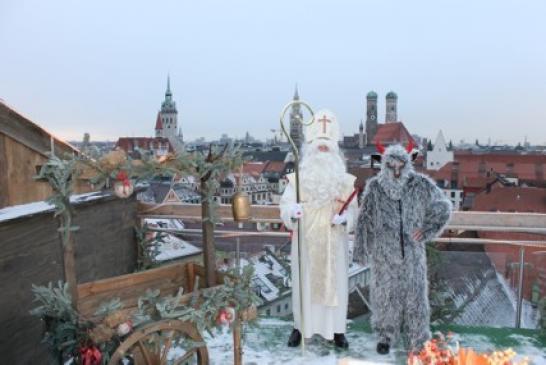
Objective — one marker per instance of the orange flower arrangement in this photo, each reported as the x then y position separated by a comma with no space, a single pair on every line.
438,352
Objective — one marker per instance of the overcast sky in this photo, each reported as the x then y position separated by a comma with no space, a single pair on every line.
474,69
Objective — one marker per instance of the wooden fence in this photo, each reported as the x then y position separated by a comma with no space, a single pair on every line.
31,253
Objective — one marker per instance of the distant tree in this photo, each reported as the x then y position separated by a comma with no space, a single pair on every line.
450,146
477,142
429,146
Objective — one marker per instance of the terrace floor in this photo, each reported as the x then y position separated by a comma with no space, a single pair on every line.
265,344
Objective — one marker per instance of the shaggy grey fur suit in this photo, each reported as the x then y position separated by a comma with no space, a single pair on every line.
392,209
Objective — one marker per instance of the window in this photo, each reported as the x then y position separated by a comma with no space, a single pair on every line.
279,308
286,306
453,194
268,312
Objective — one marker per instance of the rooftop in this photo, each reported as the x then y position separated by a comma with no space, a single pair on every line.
395,132
266,344
512,199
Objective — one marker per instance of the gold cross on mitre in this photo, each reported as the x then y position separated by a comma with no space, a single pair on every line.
324,120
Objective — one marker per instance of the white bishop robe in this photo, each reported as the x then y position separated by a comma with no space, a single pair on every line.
325,260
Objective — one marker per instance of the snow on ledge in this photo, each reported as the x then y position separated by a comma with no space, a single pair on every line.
17,211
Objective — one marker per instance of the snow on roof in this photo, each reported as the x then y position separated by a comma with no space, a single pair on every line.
165,223
17,211
174,247
265,265
171,246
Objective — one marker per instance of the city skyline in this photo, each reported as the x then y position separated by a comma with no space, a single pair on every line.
474,71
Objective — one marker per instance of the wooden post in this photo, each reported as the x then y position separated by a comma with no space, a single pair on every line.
69,263
69,257
209,252
237,349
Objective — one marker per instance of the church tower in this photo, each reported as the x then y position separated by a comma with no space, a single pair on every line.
166,124
296,120
391,115
361,135
371,116
168,114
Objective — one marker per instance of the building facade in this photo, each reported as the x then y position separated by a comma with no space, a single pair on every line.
440,154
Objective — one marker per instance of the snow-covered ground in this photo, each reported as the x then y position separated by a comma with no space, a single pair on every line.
265,344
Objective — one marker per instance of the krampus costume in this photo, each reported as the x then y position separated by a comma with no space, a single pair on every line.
401,211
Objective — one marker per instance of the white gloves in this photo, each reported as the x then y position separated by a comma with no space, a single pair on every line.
340,219
296,212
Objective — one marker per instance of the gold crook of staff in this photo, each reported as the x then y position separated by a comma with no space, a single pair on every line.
298,199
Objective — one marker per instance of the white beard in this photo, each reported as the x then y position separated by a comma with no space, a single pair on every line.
322,173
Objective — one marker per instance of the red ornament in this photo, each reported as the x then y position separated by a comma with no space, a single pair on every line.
123,177
90,355
225,316
124,328
123,187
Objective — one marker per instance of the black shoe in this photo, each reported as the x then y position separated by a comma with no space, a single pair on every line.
341,341
295,338
383,348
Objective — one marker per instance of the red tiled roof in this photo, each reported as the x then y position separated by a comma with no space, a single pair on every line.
477,181
390,133
274,166
158,124
512,199
525,167
477,170
254,168
128,144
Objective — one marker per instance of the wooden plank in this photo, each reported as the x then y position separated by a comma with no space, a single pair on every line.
193,211
105,242
523,222
4,187
21,165
128,288
29,134
123,281
128,296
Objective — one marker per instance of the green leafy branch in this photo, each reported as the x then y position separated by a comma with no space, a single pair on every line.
61,174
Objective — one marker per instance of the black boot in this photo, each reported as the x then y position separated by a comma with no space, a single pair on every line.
295,338
384,347
341,341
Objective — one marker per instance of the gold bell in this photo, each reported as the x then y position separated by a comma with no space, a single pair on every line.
240,205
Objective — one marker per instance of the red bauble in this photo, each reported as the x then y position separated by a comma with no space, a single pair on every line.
90,355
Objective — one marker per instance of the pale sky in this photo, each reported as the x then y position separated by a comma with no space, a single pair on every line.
474,69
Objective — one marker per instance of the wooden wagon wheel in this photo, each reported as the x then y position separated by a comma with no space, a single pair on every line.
151,344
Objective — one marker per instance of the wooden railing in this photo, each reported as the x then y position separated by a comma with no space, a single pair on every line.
459,222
